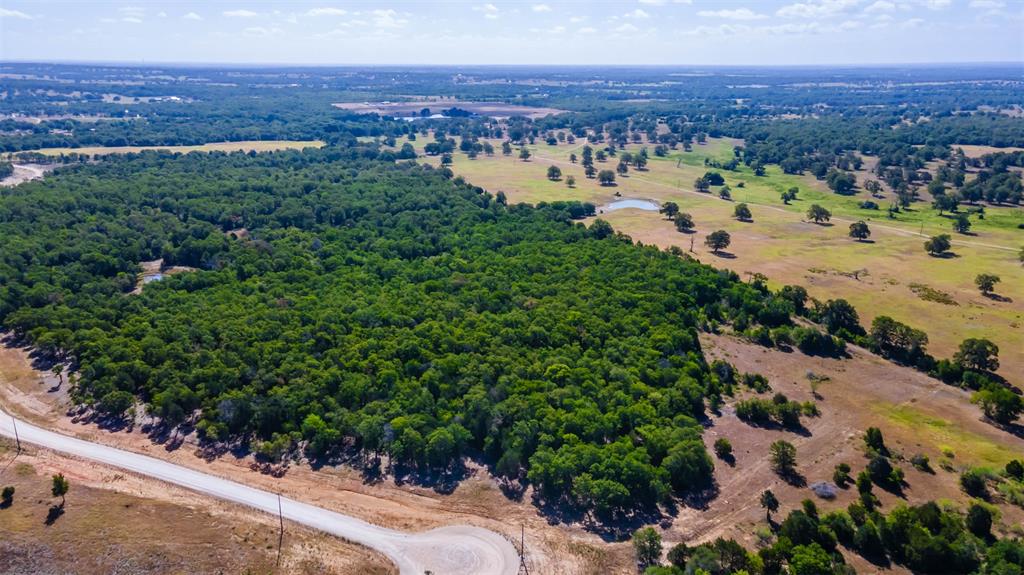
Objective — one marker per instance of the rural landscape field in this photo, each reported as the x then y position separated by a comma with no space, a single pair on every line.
659,288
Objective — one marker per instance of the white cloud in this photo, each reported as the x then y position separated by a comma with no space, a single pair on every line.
5,13
490,16
192,16
577,19
736,14
912,23
240,14
814,9
587,30
326,12
132,20
541,8
638,14
880,6
653,2
132,11
162,14
261,31
627,28
388,19
937,4
986,4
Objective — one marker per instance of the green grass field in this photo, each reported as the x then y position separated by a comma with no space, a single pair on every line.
789,250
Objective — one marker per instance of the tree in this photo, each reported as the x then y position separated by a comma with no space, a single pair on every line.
647,545
570,181
606,177
723,448
979,520
938,245
702,185
818,214
572,158
506,148
999,404
554,173
840,182
623,167
524,154
859,230
986,282
783,457
7,497
446,159
962,224
873,440
839,315
725,193
684,222
589,170
742,213
769,503
978,354
790,195
717,240
60,487
670,209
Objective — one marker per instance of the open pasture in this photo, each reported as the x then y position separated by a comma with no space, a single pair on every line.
888,275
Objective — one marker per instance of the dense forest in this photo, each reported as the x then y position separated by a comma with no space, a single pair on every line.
375,306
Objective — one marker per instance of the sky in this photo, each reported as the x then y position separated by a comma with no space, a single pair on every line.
663,32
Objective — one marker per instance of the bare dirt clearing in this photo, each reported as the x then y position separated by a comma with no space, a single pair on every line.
856,393
117,522
25,173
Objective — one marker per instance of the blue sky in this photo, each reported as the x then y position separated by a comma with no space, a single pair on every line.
703,32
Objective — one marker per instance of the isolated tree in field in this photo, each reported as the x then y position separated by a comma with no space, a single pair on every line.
684,222
601,156
999,404
789,195
859,230
446,159
818,214
702,185
670,209
606,177
7,497
554,173
570,181
874,441
718,240
723,448
742,213
986,282
873,187
506,148
783,457
622,168
769,503
962,224
572,158
938,245
725,193
946,203
647,544
978,354
524,154
60,487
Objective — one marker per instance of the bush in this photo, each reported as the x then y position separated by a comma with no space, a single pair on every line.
723,449
7,496
973,482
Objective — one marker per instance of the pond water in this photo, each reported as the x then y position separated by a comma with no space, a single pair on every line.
152,278
635,204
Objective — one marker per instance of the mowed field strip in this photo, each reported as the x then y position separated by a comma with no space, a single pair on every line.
889,275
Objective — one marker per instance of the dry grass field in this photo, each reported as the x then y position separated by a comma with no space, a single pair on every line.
890,275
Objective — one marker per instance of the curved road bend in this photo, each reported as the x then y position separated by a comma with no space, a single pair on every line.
452,550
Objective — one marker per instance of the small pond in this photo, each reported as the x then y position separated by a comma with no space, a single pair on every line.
152,278
647,205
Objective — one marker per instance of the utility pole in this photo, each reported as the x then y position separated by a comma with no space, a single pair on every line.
280,536
523,569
